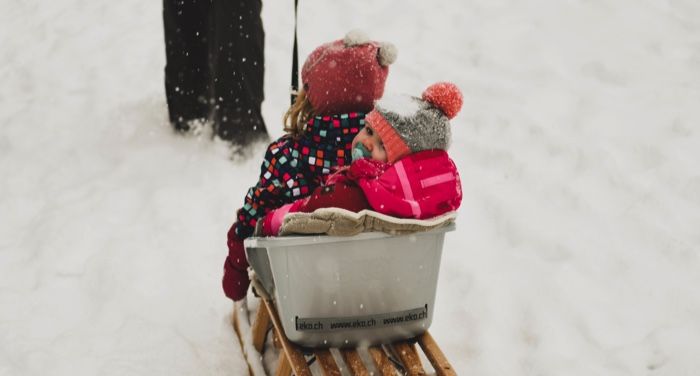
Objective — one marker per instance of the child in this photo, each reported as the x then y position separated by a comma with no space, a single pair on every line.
341,80
400,167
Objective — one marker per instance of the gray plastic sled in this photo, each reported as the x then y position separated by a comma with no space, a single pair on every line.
360,290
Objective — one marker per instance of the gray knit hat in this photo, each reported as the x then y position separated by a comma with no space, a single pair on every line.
409,124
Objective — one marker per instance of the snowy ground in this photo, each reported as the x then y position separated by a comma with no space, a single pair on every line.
578,238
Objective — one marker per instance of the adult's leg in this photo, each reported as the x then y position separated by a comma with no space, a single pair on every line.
187,77
239,67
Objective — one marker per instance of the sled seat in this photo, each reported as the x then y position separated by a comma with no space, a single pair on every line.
396,358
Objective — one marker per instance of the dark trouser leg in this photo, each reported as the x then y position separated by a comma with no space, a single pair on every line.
238,63
187,77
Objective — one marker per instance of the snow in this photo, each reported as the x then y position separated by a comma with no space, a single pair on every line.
577,244
401,105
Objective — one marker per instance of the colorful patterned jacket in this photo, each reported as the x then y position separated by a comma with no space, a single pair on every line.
292,169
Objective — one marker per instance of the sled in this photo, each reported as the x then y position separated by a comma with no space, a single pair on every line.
355,305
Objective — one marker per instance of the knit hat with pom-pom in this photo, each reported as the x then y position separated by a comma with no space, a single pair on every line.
409,124
347,75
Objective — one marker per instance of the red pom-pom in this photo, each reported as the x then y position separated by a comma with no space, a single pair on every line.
445,96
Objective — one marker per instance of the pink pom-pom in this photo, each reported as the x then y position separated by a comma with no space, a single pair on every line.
445,96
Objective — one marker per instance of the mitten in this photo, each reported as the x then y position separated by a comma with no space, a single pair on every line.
235,281
272,221
366,169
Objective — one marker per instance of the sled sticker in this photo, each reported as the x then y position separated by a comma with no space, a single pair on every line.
360,322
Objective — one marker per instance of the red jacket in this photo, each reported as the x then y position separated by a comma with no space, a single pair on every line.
421,185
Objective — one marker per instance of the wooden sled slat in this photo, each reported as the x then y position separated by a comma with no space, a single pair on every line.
328,365
294,356
354,362
435,356
409,357
381,361
260,327
283,367
237,329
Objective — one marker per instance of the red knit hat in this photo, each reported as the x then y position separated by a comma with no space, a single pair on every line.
347,75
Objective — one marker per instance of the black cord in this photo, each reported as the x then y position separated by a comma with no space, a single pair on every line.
295,58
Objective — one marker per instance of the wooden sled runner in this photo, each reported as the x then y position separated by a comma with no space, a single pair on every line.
397,358
355,305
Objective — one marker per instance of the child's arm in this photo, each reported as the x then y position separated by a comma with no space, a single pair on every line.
274,219
281,182
341,193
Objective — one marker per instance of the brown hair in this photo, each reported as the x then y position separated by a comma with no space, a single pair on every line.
298,115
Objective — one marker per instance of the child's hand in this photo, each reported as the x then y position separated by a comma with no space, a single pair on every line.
273,220
338,174
367,169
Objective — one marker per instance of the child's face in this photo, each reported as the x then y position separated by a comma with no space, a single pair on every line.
371,141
